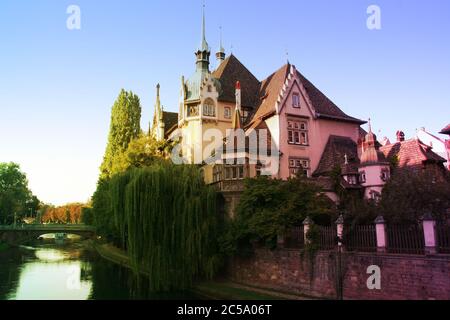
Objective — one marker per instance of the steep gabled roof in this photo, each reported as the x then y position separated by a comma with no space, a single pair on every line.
228,73
272,86
411,153
324,107
334,154
446,130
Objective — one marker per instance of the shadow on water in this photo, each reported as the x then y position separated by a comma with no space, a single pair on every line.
46,270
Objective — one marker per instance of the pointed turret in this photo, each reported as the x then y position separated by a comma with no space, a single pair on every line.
203,51
220,55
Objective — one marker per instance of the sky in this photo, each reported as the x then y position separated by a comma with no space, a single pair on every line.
57,85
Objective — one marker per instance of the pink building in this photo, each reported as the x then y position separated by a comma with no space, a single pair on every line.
446,131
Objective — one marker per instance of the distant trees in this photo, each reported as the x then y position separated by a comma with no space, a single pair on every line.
15,196
124,127
69,213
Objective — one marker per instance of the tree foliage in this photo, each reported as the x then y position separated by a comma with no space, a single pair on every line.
270,207
124,127
69,213
15,197
407,197
166,218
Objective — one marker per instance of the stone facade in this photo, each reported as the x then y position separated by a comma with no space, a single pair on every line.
403,277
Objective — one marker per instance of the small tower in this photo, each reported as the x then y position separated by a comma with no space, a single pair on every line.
374,169
220,55
203,51
158,119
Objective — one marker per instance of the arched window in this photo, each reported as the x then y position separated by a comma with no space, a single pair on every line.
209,109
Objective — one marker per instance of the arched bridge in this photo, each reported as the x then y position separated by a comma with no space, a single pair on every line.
22,233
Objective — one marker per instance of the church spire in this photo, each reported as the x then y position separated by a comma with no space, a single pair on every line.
203,52
220,55
204,44
158,112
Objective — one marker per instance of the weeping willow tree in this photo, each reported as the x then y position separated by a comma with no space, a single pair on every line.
165,216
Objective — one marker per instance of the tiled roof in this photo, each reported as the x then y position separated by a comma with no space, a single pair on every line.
334,154
272,86
325,108
228,73
411,153
446,130
170,119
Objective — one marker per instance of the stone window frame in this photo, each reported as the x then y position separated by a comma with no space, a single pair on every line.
298,132
298,163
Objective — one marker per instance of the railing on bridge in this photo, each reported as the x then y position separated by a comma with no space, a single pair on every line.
48,227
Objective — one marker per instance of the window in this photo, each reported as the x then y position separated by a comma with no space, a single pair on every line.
384,175
297,166
245,115
217,173
298,132
362,175
209,89
351,179
227,113
375,196
209,109
234,172
296,100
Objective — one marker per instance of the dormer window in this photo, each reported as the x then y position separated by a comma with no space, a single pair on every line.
296,100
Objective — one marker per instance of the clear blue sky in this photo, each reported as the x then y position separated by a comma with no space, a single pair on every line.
57,86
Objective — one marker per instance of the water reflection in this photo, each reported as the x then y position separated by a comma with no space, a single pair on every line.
47,271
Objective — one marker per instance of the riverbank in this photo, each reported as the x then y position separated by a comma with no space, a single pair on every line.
214,290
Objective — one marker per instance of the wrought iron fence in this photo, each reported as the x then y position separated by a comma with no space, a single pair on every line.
295,239
327,237
360,238
405,239
443,237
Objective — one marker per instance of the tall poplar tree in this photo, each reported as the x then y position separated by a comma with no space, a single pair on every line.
124,127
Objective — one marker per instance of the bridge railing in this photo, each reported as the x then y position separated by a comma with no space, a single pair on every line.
49,227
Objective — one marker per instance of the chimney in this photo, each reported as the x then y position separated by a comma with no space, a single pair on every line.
400,136
238,96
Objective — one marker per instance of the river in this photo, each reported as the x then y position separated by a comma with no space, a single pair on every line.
67,270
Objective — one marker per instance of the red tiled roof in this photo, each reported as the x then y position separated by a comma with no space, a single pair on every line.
411,153
228,73
271,88
334,154
446,130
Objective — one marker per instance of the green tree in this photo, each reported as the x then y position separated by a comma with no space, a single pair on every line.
124,127
270,207
15,197
143,152
406,198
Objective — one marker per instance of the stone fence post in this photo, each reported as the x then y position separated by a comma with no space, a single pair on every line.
380,227
340,229
306,224
429,233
